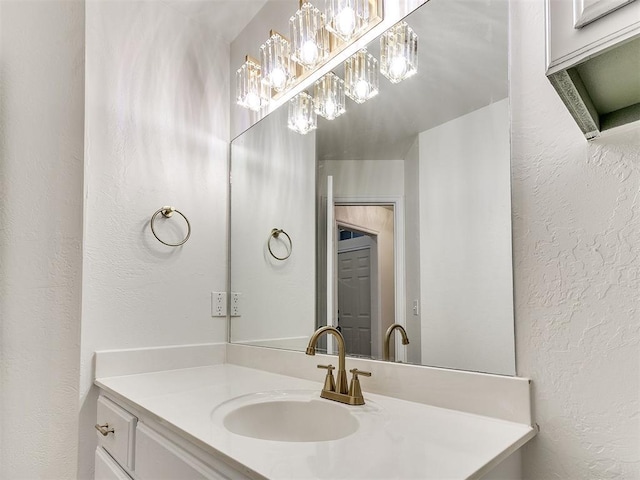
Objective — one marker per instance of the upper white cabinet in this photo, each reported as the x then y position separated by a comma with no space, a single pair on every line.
593,60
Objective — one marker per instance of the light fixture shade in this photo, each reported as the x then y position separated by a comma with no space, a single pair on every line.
347,18
250,92
309,36
278,70
361,76
328,96
302,116
399,52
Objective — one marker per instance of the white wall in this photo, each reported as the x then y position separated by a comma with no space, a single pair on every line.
157,127
361,178
412,250
576,238
273,171
41,155
465,243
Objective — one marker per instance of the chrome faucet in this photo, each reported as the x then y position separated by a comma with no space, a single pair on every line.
387,339
338,390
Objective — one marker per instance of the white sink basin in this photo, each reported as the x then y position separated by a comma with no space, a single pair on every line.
286,417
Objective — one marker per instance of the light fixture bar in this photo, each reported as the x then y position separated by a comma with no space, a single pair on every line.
250,91
328,96
347,18
302,115
399,52
361,76
278,70
309,37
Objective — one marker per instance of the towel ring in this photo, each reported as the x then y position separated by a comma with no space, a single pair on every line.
275,233
167,212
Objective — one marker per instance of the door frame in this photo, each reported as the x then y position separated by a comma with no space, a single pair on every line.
397,201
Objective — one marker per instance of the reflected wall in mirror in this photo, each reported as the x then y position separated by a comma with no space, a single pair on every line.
403,203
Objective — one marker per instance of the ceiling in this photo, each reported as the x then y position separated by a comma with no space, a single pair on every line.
227,17
463,66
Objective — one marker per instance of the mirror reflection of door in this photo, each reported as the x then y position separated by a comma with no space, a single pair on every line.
357,288
365,272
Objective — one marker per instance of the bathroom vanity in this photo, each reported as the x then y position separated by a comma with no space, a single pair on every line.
222,420
437,216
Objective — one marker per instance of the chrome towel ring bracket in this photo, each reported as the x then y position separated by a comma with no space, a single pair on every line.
167,212
275,233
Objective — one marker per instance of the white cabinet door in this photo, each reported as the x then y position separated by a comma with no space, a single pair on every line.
121,424
107,468
580,29
157,458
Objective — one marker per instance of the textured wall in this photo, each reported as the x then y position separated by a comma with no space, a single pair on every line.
157,128
41,154
576,217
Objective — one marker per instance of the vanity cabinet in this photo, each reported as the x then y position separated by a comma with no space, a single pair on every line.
106,468
593,60
140,449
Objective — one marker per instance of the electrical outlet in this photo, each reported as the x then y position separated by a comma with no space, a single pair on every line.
218,304
235,304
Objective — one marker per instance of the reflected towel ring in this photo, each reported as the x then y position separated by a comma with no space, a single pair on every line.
166,213
275,233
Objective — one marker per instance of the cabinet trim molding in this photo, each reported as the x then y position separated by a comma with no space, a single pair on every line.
585,14
573,94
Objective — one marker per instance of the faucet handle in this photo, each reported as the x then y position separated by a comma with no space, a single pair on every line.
357,372
329,382
327,367
354,388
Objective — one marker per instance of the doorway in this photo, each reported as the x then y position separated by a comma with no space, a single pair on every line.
365,275
357,275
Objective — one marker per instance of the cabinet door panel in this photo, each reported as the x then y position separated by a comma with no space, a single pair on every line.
158,459
587,11
580,29
107,468
120,442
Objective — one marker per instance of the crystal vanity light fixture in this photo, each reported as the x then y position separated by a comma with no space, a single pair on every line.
309,36
250,91
347,18
328,96
302,115
278,70
399,52
361,76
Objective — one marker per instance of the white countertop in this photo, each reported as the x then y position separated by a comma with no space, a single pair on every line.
398,439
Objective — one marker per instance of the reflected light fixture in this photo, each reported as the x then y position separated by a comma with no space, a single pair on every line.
347,18
302,115
250,91
399,52
278,70
328,96
361,76
309,36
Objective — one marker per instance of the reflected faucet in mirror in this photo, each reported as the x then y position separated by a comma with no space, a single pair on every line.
387,339
338,390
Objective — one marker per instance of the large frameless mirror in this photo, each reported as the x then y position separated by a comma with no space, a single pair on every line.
395,212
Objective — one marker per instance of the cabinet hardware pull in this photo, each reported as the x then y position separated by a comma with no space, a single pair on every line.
104,429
